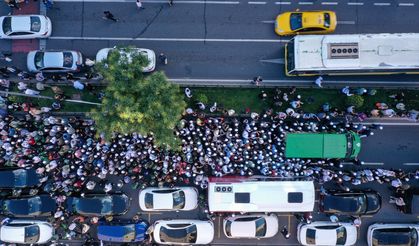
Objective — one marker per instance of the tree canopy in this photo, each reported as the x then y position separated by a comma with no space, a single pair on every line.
137,103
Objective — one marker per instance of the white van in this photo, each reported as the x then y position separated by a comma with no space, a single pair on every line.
254,194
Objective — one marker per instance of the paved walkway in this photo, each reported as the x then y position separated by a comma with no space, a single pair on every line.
26,45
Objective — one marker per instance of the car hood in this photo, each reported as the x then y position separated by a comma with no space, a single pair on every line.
283,22
46,232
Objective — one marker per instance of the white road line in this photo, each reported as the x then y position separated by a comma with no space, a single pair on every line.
406,4
256,2
346,22
352,3
392,123
411,164
305,3
266,22
282,3
382,4
329,3
175,39
373,164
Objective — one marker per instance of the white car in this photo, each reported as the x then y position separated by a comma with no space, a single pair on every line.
25,26
168,199
327,233
26,232
183,232
381,234
54,61
251,226
102,55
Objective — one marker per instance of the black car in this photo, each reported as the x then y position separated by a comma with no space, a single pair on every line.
19,178
99,204
350,203
42,205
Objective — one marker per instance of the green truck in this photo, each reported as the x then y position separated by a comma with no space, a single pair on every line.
322,145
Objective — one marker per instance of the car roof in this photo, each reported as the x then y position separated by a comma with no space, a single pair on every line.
53,59
243,228
21,23
162,201
313,19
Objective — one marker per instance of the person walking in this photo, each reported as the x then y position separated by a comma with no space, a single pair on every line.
109,16
285,232
319,81
163,58
139,4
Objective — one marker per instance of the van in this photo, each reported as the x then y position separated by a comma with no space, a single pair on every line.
322,145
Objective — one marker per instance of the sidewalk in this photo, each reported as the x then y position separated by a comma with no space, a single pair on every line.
26,45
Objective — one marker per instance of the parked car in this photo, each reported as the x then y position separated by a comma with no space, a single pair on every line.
183,232
41,205
102,55
26,232
122,233
166,199
306,22
327,233
25,26
19,178
381,234
350,203
54,61
99,204
251,226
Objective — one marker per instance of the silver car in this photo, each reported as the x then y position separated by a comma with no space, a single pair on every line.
54,61
25,27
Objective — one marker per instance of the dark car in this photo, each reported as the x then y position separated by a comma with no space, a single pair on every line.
350,203
19,178
122,233
42,205
99,204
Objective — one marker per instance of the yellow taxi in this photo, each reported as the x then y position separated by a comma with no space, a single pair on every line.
307,22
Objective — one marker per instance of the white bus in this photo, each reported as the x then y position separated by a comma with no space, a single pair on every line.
352,54
260,194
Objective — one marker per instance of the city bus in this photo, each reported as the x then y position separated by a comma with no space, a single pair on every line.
260,194
351,54
322,145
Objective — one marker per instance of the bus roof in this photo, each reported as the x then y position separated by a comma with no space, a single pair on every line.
378,51
315,145
261,196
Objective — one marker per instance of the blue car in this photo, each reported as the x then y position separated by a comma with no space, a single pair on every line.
122,233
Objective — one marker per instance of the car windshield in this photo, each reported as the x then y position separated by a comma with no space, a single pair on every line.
148,200
31,234
178,199
35,24
20,177
39,60
68,59
395,236
296,21
7,25
326,20
260,227
228,228
179,233
34,204
340,236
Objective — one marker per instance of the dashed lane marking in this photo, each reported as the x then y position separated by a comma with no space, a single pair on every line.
406,4
268,22
219,227
382,4
329,3
346,22
373,163
282,3
256,3
305,3
411,164
353,3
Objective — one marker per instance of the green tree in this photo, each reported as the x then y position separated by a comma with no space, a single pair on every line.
134,103
355,100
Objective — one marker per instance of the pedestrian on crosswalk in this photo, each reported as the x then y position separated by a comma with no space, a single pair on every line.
109,16
139,4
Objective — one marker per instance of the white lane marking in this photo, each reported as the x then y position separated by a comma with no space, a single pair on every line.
176,39
411,164
382,4
256,2
329,3
267,22
305,3
150,1
373,163
407,4
352,3
346,22
392,123
284,3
